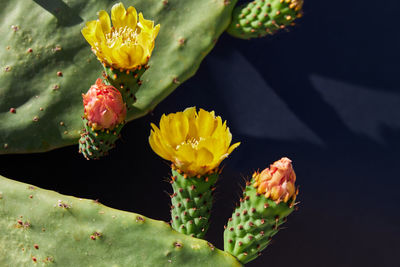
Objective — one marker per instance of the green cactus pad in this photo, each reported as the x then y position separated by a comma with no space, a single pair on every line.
263,17
94,144
43,228
253,224
46,65
191,203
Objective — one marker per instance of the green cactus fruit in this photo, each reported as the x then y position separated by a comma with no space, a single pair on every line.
258,218
43,228
95,144
192,202
263,17
45,66
127,82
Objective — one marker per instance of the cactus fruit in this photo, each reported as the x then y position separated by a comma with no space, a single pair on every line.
44,228
95,144
128,82
261,17
267,200
191,202
196,143
46,66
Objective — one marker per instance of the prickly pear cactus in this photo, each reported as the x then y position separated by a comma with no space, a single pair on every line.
267,200
44,228
45,66
262,17
253,224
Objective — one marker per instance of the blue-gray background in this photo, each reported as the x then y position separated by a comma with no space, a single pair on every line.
326,94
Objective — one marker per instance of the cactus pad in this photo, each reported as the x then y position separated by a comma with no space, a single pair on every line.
45,66
263,17
43,228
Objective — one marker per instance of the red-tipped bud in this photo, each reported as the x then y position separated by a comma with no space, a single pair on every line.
104,107
277,181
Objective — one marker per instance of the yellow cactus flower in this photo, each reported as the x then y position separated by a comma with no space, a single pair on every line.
195,142
126,45
277,182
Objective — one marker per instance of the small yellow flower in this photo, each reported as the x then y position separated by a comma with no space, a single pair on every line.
128,44
196,143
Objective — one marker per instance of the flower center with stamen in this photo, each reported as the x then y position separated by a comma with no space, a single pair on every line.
126,35
192,142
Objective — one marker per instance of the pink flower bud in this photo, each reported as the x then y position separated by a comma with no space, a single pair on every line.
278,181
104,107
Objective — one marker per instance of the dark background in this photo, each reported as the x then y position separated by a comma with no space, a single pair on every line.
326,94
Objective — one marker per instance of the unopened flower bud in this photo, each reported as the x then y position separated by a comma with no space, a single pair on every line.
104,107
277,182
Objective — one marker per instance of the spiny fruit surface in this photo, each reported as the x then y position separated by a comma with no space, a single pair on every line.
191,203
263,17
43,228
253,224
95,144
127,82
46,65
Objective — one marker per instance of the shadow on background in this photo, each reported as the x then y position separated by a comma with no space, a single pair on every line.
325,94
65,15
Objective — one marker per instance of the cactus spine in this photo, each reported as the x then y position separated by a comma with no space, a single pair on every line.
260,213
263,17
192,202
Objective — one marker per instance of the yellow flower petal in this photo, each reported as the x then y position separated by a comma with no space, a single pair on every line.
203,158
99,32
156,30
144,24
89,32
165,131
232,147
205,123
105,22
157,147
131,17
179,128
118,14
186,153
